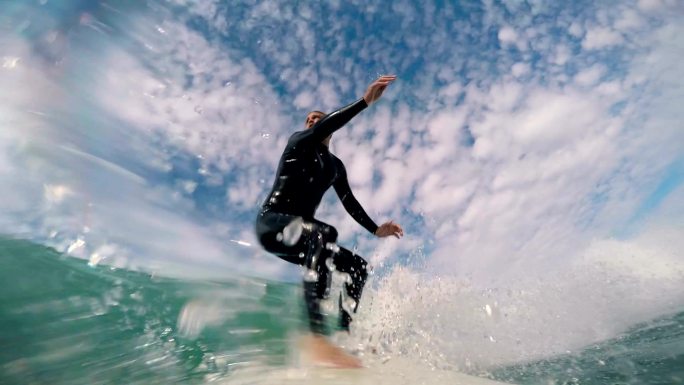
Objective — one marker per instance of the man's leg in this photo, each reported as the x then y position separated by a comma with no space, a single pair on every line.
300,242
357,268
274,231
317,278
325,256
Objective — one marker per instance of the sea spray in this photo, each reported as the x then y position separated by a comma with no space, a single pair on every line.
450,322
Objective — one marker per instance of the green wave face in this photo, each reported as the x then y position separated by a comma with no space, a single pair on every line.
652,353
65,322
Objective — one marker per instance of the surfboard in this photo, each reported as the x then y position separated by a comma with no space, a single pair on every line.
395,371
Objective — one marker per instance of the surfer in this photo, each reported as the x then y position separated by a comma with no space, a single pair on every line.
286,227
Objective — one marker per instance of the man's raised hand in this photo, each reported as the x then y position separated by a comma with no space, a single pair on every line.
389,228
376,88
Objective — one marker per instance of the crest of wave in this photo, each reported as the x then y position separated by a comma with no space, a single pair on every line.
448,323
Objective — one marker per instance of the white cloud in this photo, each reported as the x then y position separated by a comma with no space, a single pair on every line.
452,90
360,167
56,193
304,100
507,35
561,55
601,37
650,5
520,69
590,76
576,29
630,19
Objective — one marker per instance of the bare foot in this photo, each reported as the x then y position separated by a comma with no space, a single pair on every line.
323,352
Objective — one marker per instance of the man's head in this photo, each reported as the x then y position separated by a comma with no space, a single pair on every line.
313,117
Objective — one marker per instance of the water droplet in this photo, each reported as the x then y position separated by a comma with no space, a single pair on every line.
265,135
302,255
292,232
310,276
330,264
227,83
95,258
349,304
327,306
75,245
332,246
279,237
10,62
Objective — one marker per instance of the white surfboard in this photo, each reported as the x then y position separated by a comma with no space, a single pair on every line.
396,371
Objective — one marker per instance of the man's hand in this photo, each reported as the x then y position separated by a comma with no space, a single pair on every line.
389,228
376,88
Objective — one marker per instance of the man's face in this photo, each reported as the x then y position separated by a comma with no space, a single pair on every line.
313,118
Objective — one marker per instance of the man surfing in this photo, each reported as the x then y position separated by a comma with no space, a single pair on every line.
286,227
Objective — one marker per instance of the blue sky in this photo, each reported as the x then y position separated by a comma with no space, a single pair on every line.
516,135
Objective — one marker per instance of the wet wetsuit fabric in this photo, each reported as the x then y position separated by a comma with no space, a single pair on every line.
305,172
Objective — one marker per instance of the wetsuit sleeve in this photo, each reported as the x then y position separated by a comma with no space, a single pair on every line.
349,202
332,122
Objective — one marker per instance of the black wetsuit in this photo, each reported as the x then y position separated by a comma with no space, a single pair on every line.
306,171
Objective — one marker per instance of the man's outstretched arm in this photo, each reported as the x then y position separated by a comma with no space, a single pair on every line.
335,120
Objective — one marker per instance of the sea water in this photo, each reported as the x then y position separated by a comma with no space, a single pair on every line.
65,322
